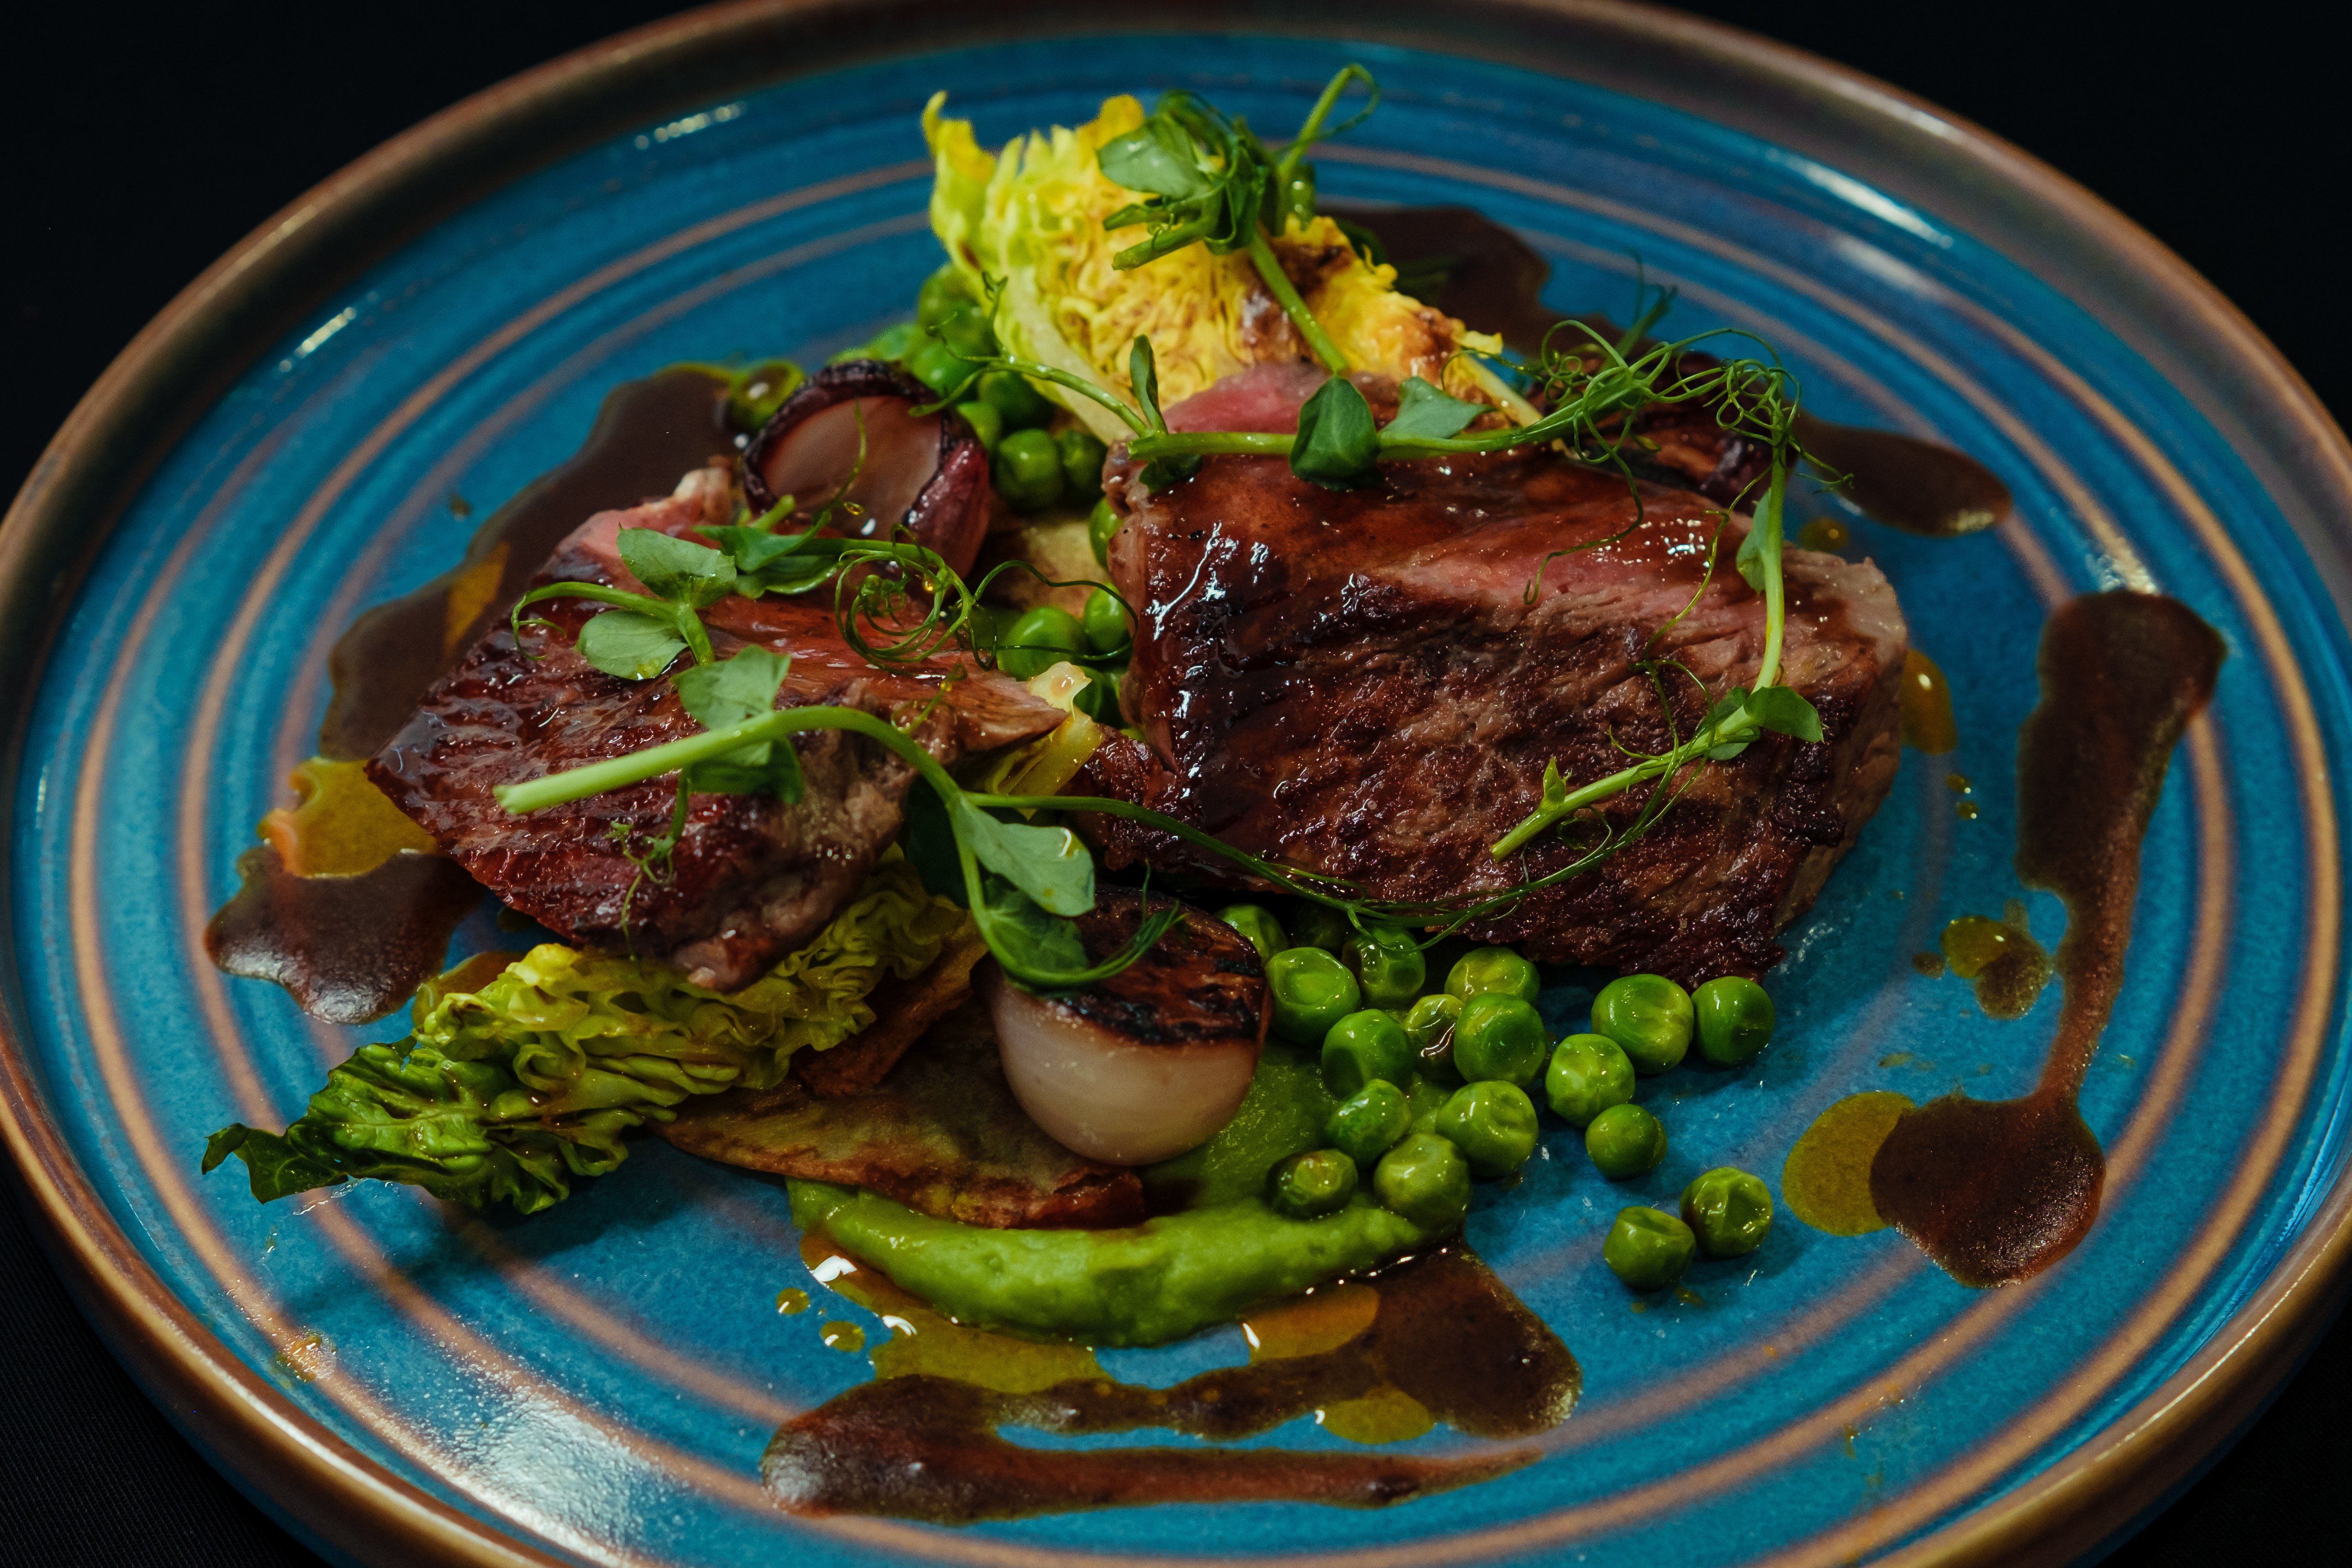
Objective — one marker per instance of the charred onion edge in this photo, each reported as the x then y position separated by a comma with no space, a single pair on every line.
1153,1101
1163,1084
957,493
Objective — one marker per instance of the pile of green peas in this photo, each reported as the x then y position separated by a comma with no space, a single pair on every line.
1032,467
1433,1086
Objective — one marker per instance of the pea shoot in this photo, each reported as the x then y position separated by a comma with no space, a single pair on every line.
1209,180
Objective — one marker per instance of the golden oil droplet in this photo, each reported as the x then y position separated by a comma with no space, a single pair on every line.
1310,1324
1386,1414
1965,811
2009,967
1927,706
308,1359
929,1344
1826,1181
1824,533
1958,784
845,1337
792,1302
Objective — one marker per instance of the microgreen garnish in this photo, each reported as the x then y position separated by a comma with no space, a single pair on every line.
1208,179
1020,881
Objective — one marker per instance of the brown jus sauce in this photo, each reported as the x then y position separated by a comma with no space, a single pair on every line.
353,948
1495,282
1446,1334
1996,1190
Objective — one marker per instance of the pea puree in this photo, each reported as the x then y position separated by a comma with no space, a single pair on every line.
1225,1252
1157,1281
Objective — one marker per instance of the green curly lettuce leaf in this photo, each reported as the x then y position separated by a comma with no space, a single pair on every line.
513,1084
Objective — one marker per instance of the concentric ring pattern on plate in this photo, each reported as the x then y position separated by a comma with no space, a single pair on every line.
598,1381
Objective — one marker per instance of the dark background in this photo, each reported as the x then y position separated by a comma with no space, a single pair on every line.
141,144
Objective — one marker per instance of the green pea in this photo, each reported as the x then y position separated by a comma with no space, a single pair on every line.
1387,961
1494,1126
1101,524
1426,1180
1367,1124
1028,470
1648,1248
1484,969
965,328
1735,1020
1082,463
1312,991
1429,1025
985,421
938,366
1588,1073
942,291
1105,622
1040,639
1730,1210
1310,1185
1649,1015
1009,391
1499,1036
1363,1046
1626,1141
1425,1100
1319,925
891,344
759,390
1098,698
1258,924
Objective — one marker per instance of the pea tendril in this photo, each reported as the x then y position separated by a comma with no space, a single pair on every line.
1208,179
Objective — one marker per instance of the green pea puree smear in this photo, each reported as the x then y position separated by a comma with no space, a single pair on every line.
1146,1284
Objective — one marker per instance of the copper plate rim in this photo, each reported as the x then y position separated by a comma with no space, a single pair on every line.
228,316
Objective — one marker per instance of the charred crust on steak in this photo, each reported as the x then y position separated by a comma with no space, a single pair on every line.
1356,684
752,877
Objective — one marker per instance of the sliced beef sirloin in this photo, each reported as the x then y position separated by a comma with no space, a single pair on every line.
752,877
1370,684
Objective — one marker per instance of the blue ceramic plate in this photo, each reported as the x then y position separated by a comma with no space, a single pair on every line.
596,1385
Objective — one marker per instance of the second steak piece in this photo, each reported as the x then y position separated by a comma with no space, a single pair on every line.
1369,685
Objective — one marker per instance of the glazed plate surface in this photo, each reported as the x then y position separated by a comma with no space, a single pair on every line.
596,1385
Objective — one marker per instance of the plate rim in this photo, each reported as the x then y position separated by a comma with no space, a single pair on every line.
212,332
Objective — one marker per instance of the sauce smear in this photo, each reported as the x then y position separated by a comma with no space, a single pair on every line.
647,434
342,907
1996,1190
1903,482
1444,1341
350,948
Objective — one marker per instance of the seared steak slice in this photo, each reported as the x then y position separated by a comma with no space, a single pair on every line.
1367,684
752,877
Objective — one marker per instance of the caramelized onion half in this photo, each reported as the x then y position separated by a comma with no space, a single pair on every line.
1148,1063
925,472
